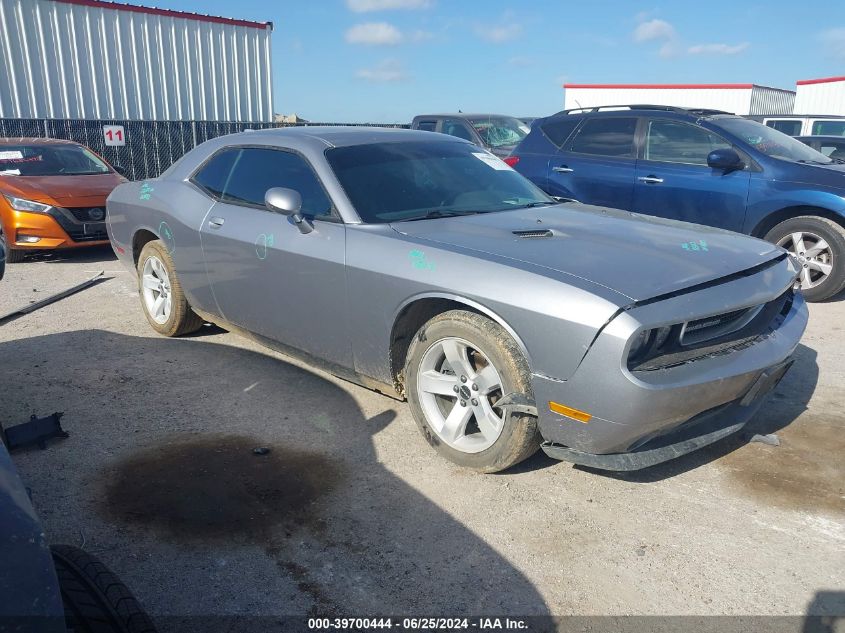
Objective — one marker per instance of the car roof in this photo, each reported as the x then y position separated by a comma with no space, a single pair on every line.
35,140
821,137
340,136
464,115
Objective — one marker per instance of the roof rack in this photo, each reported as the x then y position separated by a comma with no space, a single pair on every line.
645,106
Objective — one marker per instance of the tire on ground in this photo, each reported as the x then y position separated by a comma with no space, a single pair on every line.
14,255
182,319
94,599
833,234
520,437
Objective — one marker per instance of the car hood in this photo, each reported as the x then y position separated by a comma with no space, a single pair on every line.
832,175
90,189
640,257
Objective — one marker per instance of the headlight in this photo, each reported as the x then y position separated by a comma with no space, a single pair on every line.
19,204
647,343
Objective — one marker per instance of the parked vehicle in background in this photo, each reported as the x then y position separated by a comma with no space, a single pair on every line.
699,166
805,125
52,195
496,132
424,267
831,146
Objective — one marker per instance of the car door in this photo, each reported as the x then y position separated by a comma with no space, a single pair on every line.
674,180
267,276
597,165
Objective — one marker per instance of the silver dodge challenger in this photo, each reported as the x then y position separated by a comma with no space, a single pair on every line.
423,267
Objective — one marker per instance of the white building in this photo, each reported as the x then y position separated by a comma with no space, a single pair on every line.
92,59
736,98
820,96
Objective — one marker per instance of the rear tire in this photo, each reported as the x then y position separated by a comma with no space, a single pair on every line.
173,317
94,599
473,434
819,244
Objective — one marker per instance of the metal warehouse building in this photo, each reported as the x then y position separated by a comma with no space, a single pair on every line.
92,59
820,96
736,98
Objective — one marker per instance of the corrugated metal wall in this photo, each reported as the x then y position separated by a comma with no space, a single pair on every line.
74,61
765,100
821,98
736,100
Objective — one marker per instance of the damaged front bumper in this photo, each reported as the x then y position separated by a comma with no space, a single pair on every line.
638,419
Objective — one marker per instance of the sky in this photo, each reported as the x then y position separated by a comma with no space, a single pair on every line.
383,61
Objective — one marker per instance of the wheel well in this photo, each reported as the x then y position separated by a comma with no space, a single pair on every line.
410,320
139,240
771,221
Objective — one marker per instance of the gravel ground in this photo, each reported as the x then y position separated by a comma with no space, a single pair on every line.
352,514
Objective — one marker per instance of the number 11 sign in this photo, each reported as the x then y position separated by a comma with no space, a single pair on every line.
114,135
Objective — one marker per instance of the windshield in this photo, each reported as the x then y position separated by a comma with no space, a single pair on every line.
500,131
49,160
771,142
390,182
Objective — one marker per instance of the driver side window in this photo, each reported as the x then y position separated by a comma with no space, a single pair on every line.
676,142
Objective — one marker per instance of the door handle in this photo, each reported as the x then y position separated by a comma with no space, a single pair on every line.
563,169
651,180
215,223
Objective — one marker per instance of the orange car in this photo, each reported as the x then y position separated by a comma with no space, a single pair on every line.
52,195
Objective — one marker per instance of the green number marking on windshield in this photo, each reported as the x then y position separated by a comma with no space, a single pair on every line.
419,261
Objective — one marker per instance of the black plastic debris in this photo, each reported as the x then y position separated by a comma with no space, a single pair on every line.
36,431
260,450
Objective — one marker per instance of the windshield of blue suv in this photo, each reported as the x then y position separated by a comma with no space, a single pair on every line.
393,182
771,142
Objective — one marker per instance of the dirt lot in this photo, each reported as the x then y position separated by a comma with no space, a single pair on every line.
352,514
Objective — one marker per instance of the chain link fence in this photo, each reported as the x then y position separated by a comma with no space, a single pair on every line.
151,146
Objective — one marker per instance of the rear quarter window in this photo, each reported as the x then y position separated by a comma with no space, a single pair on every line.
558,131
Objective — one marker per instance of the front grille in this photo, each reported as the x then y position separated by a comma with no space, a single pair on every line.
728,332
88,214
95,231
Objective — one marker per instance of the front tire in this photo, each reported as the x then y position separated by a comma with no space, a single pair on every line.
819,245
458,365
162,298
94,599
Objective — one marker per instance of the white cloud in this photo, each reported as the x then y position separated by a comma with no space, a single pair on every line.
498,34
387,71
421,36
717,49
654,30
365,6
374,34
834,42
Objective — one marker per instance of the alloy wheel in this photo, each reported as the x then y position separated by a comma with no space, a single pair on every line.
457,386
155,285
814,256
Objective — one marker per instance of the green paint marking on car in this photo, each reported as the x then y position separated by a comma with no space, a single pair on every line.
419,261
262,243
146,191
166,234
700,245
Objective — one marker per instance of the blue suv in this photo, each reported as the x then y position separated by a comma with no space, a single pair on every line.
701,166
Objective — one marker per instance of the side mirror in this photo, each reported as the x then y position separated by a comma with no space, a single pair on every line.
725,159
120,169
287,202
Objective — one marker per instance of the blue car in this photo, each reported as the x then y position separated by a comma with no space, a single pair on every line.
701,166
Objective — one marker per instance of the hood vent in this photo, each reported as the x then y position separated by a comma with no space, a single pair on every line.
534,233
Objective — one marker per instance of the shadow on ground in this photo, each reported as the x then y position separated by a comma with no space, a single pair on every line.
163,431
